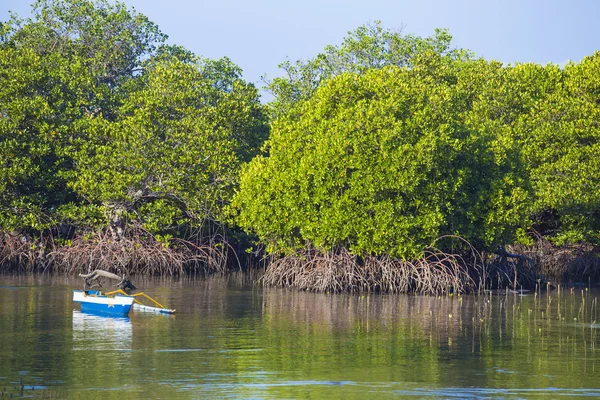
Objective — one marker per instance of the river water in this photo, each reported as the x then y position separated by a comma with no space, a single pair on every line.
230,339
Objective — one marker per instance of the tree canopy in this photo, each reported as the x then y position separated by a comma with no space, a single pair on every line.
102,123
561,140
379,145
369,46
384,160
173,154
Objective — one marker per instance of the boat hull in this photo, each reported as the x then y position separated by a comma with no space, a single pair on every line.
95,302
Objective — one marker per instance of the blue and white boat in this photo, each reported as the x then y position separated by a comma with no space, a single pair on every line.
118,302
97,302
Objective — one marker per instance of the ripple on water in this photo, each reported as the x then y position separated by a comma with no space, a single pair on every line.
479,392
177,350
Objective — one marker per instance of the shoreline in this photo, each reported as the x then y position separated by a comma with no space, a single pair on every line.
437,273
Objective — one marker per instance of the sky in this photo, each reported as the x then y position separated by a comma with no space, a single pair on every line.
259,34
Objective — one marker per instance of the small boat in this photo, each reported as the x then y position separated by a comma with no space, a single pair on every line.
97,302
118,302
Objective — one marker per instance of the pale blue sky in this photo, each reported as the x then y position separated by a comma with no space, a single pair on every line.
259,34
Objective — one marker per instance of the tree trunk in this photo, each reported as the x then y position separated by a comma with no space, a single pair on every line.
116,215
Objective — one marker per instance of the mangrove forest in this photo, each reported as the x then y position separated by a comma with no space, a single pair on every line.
387,163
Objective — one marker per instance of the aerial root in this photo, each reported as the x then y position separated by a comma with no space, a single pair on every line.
341,271
136,254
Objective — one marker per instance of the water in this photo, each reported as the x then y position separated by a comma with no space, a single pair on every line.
231,340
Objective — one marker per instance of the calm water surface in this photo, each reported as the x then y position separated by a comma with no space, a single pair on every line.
231,340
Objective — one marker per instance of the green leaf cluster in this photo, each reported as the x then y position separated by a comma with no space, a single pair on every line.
101,123
380,145
561,142
384,161
369,46
179,140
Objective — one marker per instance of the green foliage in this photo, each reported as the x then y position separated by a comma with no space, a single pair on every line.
367,47
561,151
180,138
384,163
111,37
59,69
380,145
549,117
98,118
28,137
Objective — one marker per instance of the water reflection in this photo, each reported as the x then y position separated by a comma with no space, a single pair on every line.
96,332
417,344
237,341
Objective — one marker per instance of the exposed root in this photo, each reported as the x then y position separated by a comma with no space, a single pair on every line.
137,254
341,271
570,263
514,271
17,252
